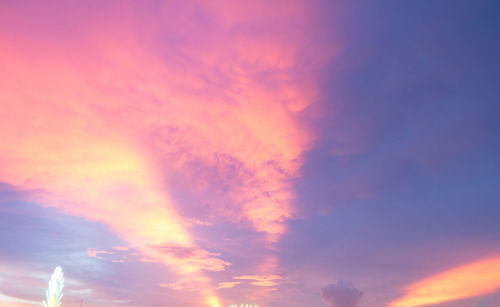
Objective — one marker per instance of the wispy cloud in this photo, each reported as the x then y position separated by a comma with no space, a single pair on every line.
227,285
194,258
93,252
266,280
473,279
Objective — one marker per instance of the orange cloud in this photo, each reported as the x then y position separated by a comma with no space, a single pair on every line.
227,285
477,278
265,280
193,258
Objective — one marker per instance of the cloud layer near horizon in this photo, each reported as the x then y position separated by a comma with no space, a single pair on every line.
473,279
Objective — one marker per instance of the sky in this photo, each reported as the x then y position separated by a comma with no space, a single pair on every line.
280,153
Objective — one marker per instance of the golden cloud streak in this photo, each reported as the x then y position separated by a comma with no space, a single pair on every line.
473,279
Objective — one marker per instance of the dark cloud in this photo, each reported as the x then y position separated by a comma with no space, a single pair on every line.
341,294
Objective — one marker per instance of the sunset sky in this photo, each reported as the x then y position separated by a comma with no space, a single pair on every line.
284,153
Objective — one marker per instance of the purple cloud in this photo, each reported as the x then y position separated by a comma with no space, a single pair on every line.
341,294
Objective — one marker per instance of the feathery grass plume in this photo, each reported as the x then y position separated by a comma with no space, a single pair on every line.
56,285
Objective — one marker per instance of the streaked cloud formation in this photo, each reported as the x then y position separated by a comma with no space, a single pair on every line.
268,280
228,284
477,278
92,252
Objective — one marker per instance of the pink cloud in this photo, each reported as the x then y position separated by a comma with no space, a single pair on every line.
101,123
92,252
148,260
227,285
194,256
9,302
267,280
173,286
